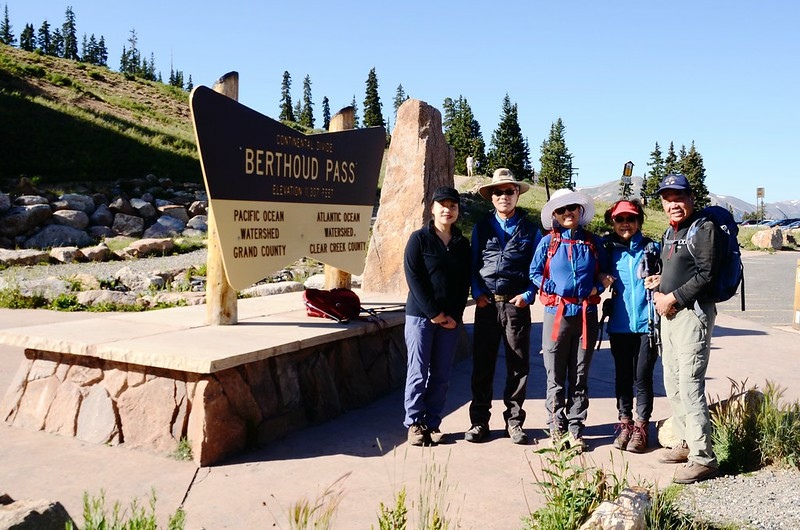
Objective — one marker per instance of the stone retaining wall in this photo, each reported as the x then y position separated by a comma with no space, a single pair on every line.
220,414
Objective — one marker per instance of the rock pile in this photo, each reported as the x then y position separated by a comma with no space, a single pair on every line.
34,219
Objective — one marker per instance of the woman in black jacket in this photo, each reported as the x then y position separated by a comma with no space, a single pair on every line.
437,269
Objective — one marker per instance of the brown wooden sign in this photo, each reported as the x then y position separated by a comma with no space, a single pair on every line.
279,195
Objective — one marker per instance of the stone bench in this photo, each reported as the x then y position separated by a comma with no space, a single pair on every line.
150,380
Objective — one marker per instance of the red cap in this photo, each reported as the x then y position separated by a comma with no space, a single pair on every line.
624,207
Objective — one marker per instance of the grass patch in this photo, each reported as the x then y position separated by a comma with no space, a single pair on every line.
96,515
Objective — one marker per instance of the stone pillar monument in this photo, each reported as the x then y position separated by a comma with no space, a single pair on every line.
419,161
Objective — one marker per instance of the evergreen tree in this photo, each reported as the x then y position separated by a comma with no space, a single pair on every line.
556,160
45,41
399,97
671,161
131,60
355,113
298,109
190,84
508,148
694,170
6,33
449,114
463,134
70,34
307,113
58,43
102,52
287,111
27,39
326,113
373,116
654,177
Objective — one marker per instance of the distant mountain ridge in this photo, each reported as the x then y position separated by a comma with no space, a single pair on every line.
609,192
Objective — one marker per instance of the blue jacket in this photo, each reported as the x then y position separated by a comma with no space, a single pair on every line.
500,261
573,269
632,304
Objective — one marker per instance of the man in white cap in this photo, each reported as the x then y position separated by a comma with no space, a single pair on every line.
502,248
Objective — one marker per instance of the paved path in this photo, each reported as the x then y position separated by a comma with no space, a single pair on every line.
490,484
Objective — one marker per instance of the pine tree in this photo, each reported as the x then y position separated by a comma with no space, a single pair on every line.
131,60
449,114
399,97
27,39
654,177
6,33
70,34
287,111
508,147
102,52
307,113
190,84
326,113
463,134
671,160
556,160
58,43
298,109
45,41
373,116
694,170
355,112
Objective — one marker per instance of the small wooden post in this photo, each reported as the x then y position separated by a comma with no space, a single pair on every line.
221,308
334,278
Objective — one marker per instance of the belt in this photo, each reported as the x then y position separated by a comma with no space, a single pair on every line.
502,298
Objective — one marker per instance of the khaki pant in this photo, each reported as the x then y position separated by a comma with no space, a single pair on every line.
686,341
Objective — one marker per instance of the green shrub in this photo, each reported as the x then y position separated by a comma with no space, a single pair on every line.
96,516
778,429
67,302
572,489
734,432
59,80
13,298
664,513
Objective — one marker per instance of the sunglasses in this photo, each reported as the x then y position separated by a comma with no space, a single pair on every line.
563,209
500,193
626,219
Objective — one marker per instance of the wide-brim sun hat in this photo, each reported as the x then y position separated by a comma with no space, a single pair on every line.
502,176
565,197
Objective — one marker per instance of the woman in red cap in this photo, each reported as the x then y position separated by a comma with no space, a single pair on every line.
631,326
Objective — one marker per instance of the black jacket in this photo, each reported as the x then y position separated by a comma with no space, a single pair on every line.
438,276
689,275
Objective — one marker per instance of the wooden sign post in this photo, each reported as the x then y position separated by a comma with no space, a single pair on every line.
335,278
221,307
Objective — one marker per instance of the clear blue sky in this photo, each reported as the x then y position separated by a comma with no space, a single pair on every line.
622,75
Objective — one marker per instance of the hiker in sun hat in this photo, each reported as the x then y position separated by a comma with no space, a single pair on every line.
502,247
566,270
631,323
436,266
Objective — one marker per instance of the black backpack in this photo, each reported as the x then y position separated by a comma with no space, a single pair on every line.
727,255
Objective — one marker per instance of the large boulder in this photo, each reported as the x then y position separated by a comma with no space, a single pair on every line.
75,201
58,236
418,162
145,209
102,216
128,225
75,218
769,238
22,219
5,202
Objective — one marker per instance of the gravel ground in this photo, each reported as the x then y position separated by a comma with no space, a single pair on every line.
768,499
106,269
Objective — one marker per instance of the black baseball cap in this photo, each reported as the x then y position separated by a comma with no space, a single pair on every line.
444,193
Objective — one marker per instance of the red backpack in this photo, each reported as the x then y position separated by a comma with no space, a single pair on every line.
337,304
552,299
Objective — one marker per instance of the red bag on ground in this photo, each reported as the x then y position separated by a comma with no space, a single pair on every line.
337,304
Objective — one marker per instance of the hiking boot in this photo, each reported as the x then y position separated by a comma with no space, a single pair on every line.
517,435
638,440
435,435
692,472
416,434
676,455
624,430
577,442
477,433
